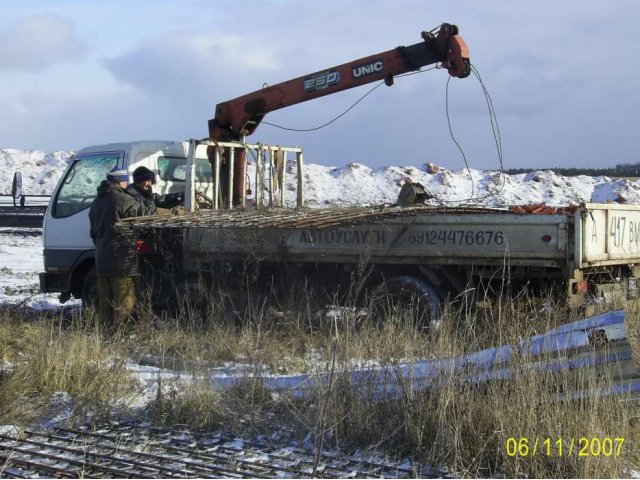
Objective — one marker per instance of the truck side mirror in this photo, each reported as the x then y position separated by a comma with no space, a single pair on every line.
16,187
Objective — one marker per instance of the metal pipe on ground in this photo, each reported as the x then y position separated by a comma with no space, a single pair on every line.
592,357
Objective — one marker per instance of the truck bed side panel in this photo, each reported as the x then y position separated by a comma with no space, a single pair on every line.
422,239
611,234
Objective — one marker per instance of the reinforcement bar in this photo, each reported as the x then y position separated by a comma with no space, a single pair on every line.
288,218
131,450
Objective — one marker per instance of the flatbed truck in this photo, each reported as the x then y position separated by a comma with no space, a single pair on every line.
586,253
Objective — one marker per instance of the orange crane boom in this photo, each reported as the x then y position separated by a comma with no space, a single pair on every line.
236,118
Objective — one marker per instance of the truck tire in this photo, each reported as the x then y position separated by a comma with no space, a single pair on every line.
89,294
409,297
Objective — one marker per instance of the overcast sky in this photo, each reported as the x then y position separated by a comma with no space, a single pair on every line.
563,76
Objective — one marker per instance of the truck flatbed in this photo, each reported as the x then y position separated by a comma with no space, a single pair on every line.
422,235
593,234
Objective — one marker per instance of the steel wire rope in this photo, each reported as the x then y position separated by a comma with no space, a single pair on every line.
352,106
471,200
370,91
496,136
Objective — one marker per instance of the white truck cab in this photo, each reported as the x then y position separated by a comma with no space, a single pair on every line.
69,256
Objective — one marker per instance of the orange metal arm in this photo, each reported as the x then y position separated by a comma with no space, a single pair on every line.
241,116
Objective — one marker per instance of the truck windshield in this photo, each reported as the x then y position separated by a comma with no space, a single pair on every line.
81,182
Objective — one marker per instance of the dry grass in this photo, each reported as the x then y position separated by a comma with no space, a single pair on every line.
195,406
463,427
467,427
49,357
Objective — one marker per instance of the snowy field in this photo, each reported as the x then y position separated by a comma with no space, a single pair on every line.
357,184
20,263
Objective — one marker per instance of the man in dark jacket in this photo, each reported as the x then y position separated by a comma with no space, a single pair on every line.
143,179
116,262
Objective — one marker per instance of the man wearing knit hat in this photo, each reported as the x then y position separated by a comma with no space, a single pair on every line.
116,262
143,179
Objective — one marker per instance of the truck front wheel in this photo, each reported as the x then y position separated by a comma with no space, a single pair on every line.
89,292
408,299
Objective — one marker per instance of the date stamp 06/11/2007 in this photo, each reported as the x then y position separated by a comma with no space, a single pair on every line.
564,447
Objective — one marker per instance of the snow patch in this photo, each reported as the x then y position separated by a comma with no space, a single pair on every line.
356,184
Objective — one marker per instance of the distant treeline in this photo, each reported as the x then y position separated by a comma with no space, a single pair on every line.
623,170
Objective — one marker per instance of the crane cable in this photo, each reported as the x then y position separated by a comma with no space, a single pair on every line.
343,113
471,200
329,122
370,91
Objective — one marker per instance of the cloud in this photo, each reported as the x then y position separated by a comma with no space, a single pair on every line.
562,87
62,124
192,65
38,42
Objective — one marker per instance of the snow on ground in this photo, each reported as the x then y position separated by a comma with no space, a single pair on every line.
358,184
40,171
20,262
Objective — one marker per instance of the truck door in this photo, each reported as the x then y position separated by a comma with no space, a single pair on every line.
66,225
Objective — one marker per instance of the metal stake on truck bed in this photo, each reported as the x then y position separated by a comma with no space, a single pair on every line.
271,162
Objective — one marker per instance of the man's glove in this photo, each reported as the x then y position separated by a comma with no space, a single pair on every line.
176,198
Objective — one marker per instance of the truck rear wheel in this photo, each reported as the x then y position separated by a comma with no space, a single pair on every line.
406,298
